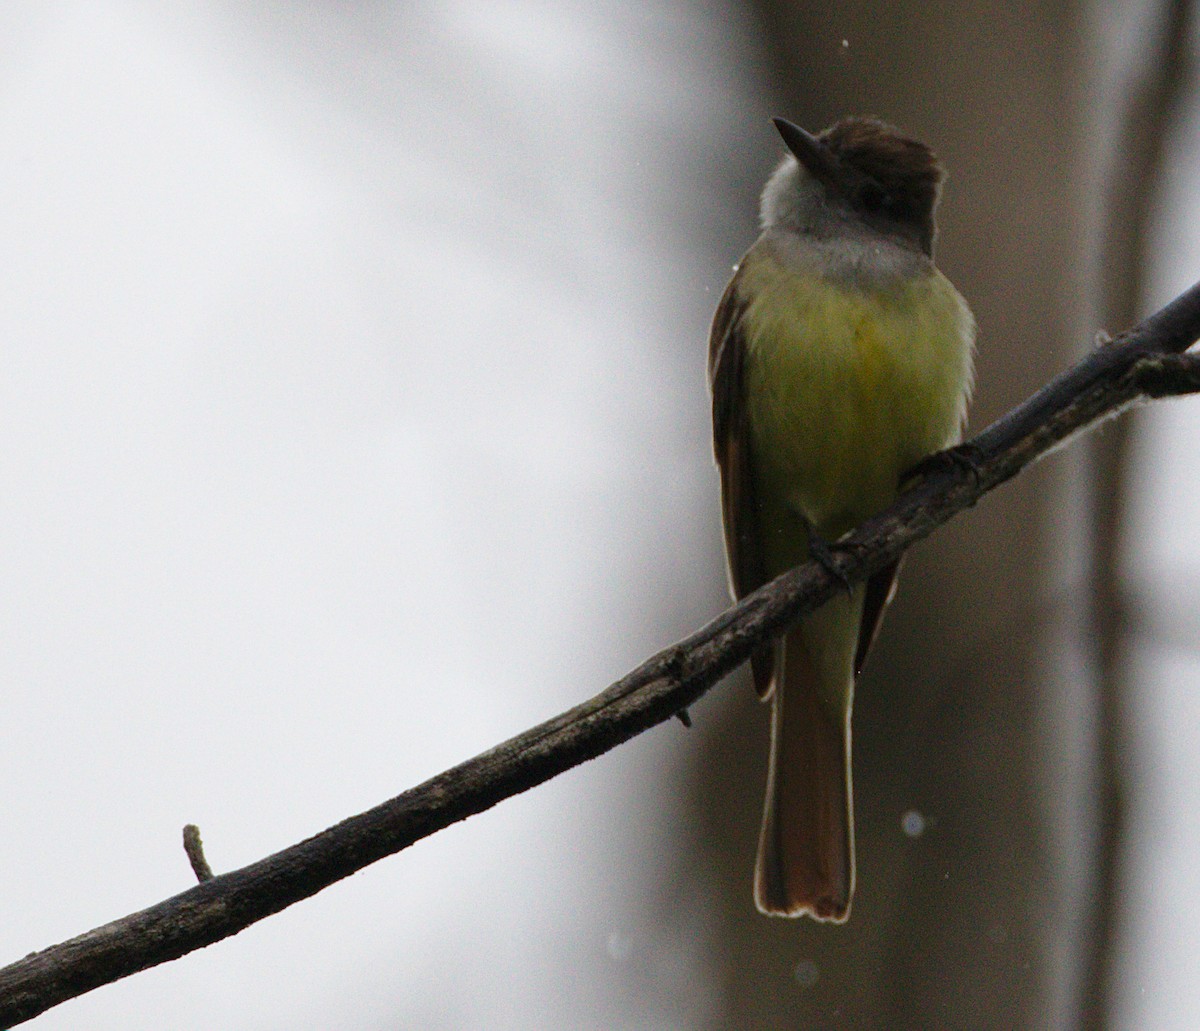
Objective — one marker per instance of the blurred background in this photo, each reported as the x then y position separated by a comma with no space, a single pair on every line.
353,418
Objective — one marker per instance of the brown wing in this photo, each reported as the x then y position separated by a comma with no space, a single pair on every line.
881,588
731,444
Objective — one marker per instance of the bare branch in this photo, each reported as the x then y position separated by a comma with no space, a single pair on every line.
1132,367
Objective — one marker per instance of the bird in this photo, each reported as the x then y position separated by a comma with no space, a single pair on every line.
840,358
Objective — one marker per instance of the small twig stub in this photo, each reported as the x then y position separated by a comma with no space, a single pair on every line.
194,848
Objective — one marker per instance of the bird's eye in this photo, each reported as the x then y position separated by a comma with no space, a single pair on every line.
873,197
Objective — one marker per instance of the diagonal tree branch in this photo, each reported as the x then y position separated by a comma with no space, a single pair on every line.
1145,362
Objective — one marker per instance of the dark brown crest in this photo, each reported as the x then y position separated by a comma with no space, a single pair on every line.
905,169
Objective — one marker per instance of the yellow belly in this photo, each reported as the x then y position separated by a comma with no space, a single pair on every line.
847,387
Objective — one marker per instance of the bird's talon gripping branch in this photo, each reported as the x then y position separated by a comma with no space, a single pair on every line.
822,552
962,458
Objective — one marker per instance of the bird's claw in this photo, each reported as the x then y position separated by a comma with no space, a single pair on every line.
821,553
964,458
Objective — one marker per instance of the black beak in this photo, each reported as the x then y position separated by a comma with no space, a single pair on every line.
812,153
839,178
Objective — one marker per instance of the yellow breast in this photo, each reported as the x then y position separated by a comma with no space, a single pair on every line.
848,385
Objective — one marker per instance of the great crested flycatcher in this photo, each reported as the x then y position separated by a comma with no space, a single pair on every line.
840,357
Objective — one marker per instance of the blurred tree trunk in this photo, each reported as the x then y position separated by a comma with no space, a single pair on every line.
974,922
1154,79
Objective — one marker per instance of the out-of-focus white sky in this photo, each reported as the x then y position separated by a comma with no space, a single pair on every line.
353,419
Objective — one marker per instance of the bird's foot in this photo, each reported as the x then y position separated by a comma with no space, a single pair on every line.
820,551
963,458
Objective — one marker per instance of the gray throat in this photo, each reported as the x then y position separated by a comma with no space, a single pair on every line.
809,232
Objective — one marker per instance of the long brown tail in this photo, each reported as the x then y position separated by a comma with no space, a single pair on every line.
806,850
